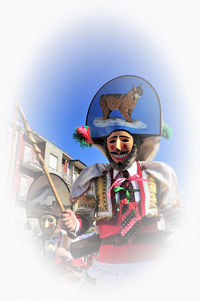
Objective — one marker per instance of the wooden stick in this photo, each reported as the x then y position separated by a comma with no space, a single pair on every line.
39,156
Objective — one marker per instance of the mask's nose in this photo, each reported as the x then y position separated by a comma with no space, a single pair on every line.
46,224
118,144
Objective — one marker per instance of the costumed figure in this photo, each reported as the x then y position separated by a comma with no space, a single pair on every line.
132,199
51,242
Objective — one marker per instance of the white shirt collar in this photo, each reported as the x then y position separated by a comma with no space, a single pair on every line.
132,170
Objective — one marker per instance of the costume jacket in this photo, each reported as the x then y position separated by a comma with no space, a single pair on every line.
49,246
155,200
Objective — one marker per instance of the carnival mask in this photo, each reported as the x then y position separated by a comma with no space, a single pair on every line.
119,146
48,224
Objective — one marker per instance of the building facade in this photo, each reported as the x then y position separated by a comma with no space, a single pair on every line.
26,168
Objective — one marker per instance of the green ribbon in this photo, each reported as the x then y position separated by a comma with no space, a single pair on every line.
117,189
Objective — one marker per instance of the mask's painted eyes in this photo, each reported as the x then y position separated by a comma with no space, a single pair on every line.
125,140
112,141
49,219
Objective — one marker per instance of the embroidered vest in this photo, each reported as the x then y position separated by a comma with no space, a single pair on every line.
96,197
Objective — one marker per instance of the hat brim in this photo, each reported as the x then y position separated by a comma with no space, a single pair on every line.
41,200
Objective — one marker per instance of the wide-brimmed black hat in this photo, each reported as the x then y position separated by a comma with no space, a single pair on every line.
41,200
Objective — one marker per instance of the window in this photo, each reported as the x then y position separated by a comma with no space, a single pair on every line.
23,187
27,153
53,161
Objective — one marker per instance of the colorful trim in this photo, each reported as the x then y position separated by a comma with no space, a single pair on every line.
142,193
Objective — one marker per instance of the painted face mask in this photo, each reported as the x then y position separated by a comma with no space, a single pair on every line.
48,224
119,146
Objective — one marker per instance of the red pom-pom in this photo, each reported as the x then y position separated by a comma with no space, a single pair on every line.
82,135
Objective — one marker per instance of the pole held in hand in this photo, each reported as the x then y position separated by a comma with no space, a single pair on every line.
39,156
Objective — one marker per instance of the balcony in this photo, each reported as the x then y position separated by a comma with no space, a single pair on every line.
31,165
66,176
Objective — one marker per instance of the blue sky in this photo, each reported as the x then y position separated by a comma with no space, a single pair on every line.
68,71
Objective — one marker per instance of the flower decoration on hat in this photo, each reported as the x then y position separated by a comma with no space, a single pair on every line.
82,135
166,131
